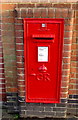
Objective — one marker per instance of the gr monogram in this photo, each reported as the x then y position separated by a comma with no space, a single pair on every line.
42,75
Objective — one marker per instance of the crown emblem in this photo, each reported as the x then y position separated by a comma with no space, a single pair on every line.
42,68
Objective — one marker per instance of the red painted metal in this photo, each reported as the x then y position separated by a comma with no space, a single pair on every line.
43,41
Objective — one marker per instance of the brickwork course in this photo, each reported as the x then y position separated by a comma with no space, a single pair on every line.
13,53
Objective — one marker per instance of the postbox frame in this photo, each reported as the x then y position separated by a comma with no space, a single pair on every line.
59,21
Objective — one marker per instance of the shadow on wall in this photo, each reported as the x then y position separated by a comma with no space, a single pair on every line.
50,119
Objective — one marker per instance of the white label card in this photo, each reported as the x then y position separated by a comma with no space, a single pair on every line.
42,54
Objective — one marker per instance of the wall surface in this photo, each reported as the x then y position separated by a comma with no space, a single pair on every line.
39,1
12,41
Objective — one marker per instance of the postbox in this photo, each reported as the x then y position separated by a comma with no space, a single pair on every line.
43,42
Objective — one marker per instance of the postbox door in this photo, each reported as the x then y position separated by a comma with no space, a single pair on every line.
43,56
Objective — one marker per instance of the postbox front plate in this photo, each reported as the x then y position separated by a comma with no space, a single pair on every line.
43,41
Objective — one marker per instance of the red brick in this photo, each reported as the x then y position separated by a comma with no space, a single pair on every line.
19,40
67,47
63,95
9,46
76,77
73,86
72,75
19,21
64,84
7,20
1,60
58,13
20,53
74,70
2,90
23,13
61,5
21,77
20,59
75,34
68,27
65,72
8,6
19,47
5,13
43,13
64,89
74,46
75,6
11,13
76,27
11,89
69,21
66,66
71,13
21,82
44,5
51,13
74,52
75,20
68,34
72,80
1,55
26,5
2,80
21,88
2,86
66,54
20,71
65,78
9,84
19,34
29,13
37,13
7,27
1,70
64,13
74,40
1,65
73,64
67,41
8,33
66,60
76,13
20,65
19,27
3,97
21,94
73,92
74,58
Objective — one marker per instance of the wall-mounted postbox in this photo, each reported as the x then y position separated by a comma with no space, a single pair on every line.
43,41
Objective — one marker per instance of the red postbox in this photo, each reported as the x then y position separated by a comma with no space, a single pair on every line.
43,41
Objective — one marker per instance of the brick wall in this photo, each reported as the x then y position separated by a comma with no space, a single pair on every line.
8,40
73,82
2,75
12,38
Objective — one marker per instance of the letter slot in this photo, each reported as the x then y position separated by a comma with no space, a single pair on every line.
43,38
